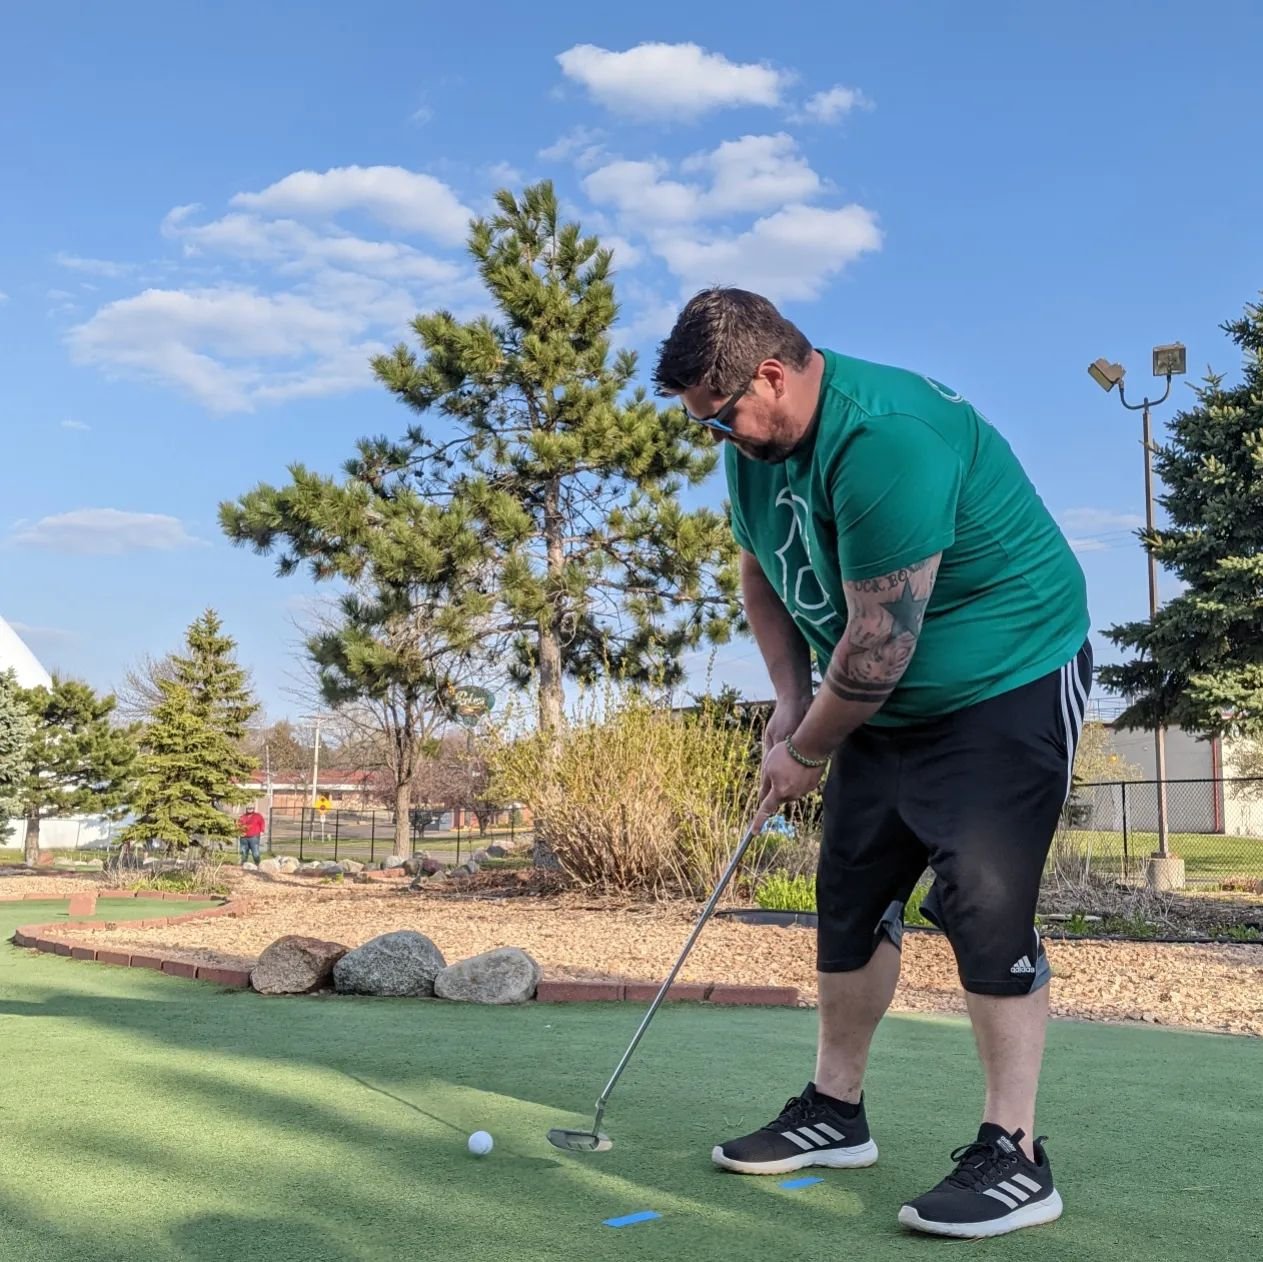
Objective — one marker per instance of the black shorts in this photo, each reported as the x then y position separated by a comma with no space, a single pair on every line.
976,797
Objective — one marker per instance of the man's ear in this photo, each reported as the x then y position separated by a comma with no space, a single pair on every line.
773,372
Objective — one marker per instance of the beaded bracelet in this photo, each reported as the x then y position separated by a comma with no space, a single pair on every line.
799,758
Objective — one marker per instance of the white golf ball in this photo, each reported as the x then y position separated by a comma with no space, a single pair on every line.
480,1143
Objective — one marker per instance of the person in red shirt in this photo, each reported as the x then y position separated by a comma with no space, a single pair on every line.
252,826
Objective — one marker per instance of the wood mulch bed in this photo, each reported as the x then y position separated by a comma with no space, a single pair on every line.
1203,986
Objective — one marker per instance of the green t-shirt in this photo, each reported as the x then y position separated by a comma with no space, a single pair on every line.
896,468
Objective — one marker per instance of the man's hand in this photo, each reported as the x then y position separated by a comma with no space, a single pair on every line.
781,725
785,779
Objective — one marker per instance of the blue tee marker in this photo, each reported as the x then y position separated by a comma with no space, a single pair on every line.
800,1183
643,1217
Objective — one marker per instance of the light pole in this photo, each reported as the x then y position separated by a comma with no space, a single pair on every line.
1165,871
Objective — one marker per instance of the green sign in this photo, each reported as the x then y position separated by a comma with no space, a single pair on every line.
470,704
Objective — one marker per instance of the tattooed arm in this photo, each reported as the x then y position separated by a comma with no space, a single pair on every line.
884,617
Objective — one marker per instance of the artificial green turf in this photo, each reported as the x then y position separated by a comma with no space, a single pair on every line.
146,1117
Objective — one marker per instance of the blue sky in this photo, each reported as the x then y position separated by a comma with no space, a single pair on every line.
213,216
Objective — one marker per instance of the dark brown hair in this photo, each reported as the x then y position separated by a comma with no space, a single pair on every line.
721,337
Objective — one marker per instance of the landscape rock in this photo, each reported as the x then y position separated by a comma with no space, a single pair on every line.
271,867
251,866
400,963
496,852
471,867
295,965
332,869
288,863
395,861
507,975
352,867
480,856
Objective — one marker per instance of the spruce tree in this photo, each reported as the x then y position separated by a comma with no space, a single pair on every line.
1199,663
194,761
17,728
81,763
175,799
545,488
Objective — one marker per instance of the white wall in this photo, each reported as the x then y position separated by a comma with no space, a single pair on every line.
1243,802
64,834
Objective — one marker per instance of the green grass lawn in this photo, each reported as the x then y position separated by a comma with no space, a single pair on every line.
1207,856
146,1117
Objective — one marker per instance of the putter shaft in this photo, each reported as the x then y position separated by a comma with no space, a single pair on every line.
733,863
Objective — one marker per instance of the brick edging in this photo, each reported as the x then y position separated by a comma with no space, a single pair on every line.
48,938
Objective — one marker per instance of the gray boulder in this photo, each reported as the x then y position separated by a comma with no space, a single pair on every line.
507,975
496,852
431,867
352,867
395,861
480,856
295,965
288,863
250,866
400,963
271,867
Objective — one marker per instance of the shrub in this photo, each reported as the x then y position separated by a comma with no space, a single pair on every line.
779,891
204,877
632,796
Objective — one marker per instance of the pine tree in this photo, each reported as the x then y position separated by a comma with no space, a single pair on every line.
1200,660
81,763
194,761
546,490
175,799
17,728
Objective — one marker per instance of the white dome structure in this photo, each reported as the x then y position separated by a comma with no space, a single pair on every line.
15,656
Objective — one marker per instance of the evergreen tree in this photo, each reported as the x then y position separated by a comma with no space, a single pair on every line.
194,758
17,728
175,799
81,763
546,490
1200,660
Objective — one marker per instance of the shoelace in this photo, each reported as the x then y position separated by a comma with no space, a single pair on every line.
978,1163
796,1110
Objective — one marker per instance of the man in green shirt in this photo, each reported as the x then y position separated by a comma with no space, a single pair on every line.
889,532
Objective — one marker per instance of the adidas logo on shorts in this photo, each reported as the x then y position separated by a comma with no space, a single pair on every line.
1023,965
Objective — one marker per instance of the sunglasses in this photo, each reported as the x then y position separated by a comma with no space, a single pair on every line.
720,422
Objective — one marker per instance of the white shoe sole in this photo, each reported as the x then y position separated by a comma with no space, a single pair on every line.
1032,1215
834,1159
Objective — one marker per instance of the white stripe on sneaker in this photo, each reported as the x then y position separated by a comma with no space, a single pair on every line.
807,1133
999,1196
828,1130
1020,1193
1027,1182
796,1139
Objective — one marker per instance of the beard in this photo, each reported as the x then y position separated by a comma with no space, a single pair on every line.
767,451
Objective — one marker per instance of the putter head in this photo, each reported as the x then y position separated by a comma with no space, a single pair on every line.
579,1141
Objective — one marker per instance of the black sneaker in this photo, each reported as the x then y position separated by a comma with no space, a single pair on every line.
993,1190
808,1132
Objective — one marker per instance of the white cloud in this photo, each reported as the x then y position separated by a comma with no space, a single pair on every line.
791,254
750,174
94,267
77,426
43,635
833,104
181,338
504,173
755,173
637,190
1098,529
420,116
582,145
406,200
105,532
669,81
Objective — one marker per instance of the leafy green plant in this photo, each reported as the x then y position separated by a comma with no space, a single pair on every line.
912,909
779,891
1077,924
1237,933
203,878
1129,926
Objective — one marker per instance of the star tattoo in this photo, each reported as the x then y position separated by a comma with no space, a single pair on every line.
907,612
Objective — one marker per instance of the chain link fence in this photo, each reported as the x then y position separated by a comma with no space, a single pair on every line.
369,836
1215,826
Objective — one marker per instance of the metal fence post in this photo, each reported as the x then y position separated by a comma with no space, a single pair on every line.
336,816
372,836
1126,857
302,828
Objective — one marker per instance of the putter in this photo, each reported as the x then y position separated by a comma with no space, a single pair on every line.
594,1140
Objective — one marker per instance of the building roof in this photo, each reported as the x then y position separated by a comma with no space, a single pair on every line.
15,656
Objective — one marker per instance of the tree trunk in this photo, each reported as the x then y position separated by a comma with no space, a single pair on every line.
31,855
551,693
403,820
